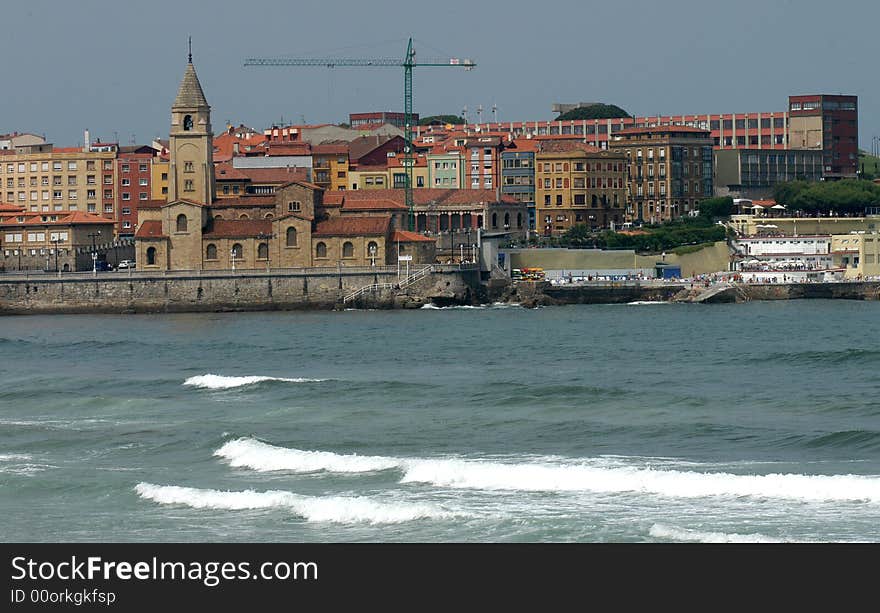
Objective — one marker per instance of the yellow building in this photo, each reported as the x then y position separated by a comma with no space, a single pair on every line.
60,180
330,166
368,177
159,179
858,253
576,183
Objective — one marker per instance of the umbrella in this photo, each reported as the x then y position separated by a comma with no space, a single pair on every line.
777,206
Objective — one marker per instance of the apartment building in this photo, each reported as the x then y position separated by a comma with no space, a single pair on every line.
134,185
669,170
829,124
518,174
60,180
576,183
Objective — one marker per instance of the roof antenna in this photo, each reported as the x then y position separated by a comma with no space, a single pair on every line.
190,46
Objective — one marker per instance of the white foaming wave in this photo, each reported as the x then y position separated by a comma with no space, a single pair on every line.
643,302
598,475
683,534
670,483
335,509
215,382
262,457
14,457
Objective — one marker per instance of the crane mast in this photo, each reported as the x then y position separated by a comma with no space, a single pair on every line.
408,63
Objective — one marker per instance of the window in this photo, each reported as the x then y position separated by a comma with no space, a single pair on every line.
90,194
294,206
291,237
188,186
237,251
71,180
126,210
143,181
125,196
321,250
187,123
187,167
71,194
71,166
126,182
181,223
126,224
263,251
347,249
142,167
151,256
125,168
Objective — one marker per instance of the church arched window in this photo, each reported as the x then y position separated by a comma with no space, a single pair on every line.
187,123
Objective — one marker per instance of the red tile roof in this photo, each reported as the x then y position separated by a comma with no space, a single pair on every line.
66,219
563,146
238,228
294,148
428,196
524,144
227,172
152,204
274,175
353,226
330,149
14,208
150,229
333,199
377,204
403,236
244,201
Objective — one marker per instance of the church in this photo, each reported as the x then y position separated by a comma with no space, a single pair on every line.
193,230
296,226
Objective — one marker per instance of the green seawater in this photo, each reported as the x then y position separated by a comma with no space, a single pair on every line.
622,423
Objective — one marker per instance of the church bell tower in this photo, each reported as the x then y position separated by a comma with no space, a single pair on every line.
191,143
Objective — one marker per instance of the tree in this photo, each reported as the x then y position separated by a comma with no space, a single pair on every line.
844,196
716,207
598,110
441,120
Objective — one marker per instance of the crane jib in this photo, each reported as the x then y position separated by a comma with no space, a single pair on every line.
408,63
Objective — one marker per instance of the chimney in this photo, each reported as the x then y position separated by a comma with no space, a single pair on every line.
86,142
235,149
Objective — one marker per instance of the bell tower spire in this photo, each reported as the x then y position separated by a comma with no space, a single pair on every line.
191,175
189,56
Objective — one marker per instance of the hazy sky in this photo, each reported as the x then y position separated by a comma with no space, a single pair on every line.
114,66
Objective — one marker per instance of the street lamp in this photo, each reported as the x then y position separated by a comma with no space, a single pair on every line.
373,257
55,242
232,252
93,236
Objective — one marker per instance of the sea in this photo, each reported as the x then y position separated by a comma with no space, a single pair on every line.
644,422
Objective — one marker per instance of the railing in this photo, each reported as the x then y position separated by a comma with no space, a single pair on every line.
419,274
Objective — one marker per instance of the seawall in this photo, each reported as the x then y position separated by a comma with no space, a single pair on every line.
117,292
544,294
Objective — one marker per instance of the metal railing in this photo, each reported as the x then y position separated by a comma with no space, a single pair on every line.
373,287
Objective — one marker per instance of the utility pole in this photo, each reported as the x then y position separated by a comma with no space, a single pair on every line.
408,63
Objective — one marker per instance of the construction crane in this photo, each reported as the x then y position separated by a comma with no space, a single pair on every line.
408,63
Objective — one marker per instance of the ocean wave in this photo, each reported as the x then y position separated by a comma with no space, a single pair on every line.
14,457
859,357
673,533
538,474
215,382
642,302
335,509
259,456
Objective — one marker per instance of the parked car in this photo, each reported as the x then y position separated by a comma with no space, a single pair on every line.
103,265
125,264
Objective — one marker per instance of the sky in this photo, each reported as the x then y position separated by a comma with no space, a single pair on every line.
114,67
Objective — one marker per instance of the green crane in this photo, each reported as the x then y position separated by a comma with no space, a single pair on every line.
408,63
